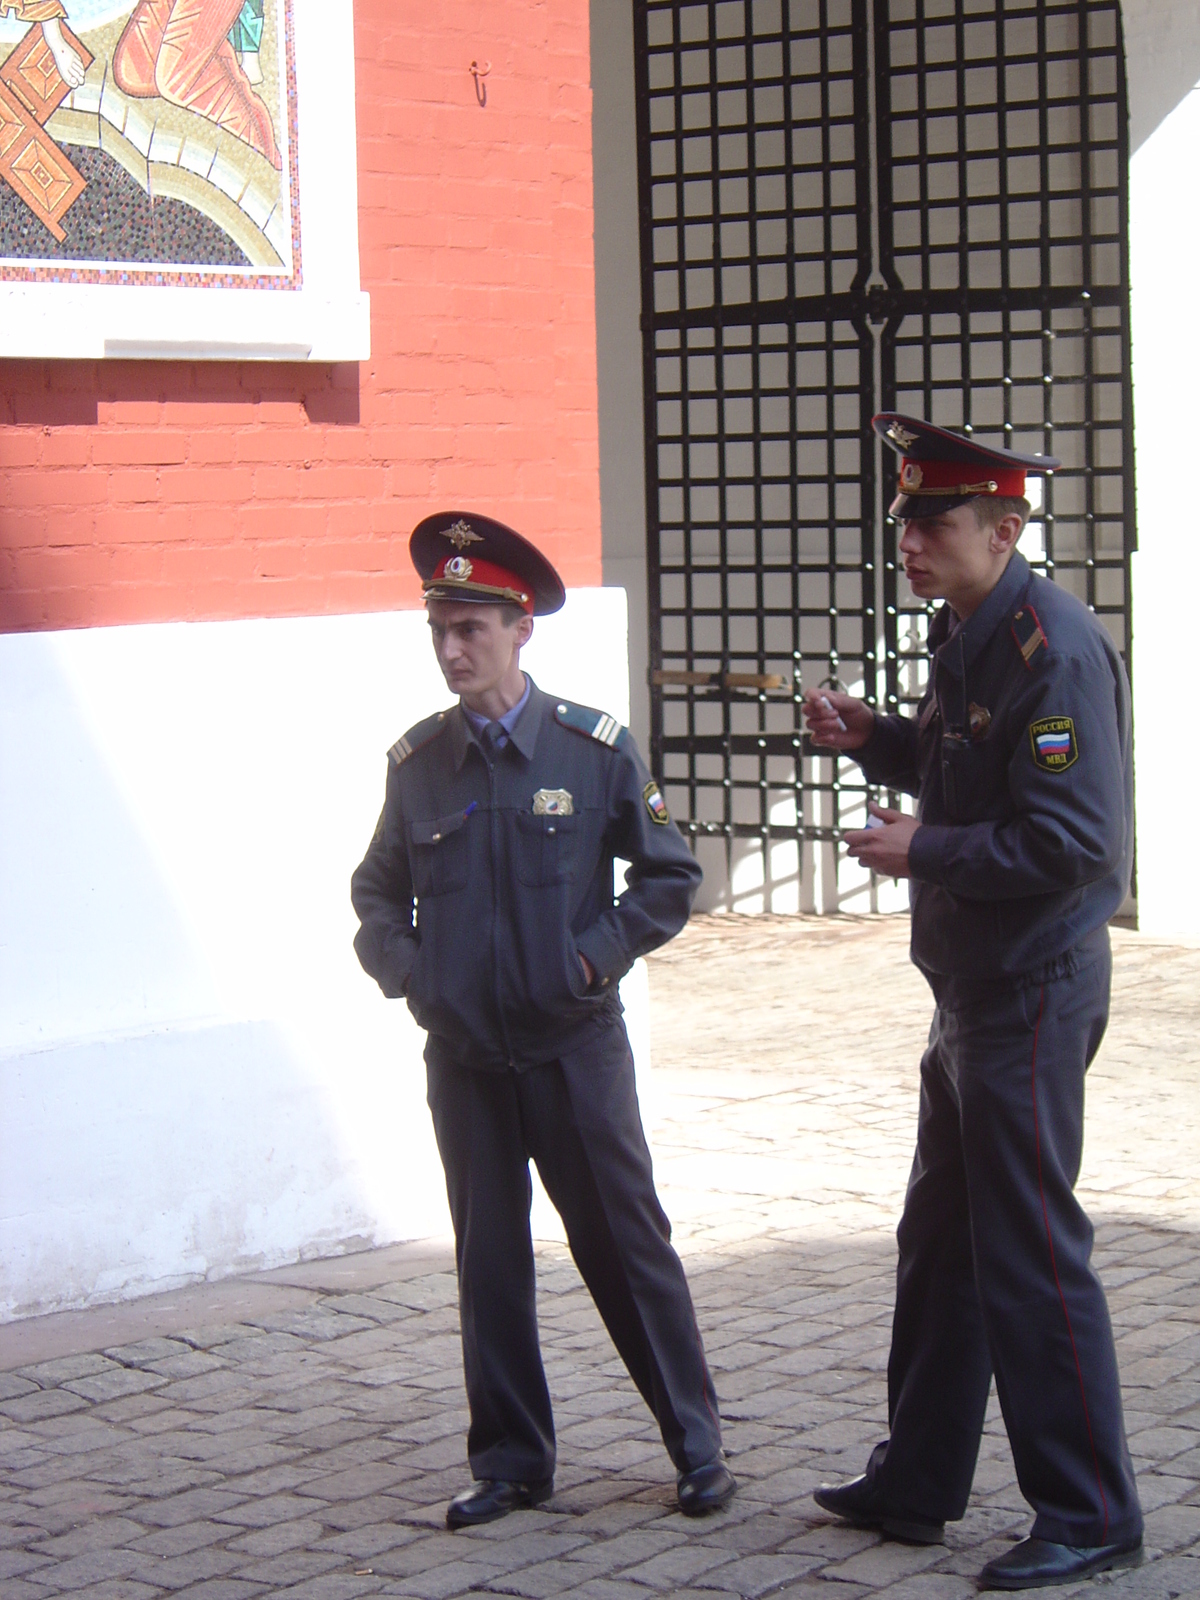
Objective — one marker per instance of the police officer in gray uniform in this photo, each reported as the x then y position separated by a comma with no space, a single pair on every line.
486,901
1020,851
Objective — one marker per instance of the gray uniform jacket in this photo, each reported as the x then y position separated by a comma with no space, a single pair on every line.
1020,756
483,886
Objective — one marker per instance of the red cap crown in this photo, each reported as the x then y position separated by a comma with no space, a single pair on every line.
477,578
960,478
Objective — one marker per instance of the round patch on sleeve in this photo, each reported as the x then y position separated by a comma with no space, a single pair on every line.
1054,744
655,804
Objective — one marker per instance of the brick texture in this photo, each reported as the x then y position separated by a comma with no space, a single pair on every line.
137,492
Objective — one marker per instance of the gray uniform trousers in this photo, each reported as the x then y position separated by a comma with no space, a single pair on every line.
995,1270
578,1119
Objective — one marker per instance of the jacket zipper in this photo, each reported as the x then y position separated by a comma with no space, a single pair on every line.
495,833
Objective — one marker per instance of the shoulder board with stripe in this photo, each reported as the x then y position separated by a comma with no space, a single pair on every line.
412,741
1028,632
596,725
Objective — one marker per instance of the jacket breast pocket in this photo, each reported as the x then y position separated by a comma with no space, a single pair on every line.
439,852
545,848
974,779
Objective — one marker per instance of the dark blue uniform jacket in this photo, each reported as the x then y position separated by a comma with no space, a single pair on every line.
1020,756
476,908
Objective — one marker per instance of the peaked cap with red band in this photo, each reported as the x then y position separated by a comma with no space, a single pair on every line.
462,556
940,470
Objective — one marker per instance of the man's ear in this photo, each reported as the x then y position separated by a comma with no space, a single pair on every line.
1005,534
524,631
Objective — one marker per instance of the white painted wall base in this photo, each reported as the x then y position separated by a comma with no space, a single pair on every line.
196,1078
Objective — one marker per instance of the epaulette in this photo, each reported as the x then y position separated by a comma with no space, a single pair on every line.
412,741
595,724
1027,631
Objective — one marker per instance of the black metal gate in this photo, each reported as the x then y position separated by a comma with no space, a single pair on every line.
846,207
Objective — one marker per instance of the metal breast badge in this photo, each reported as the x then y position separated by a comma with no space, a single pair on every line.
553,803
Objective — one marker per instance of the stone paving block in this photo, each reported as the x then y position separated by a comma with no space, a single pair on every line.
190,1505
84,1571
146,1351
221,1589
49,1374
265,1511
184,1571
938,1586
186,1536
274,1540
41,1403
356,1482
114,1383
287,1475
96,1533
674,1568
288,1567
542,1581
116,1589
630,1548
318,1322
1177,1578
16,1563
350,1515
12,1385
601,1589
757,1575
336,1586
370,1539
886,1562
26,1589
456,1578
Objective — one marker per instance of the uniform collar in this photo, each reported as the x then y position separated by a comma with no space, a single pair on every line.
523,732
958,649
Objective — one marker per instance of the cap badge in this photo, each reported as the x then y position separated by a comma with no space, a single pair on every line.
461,534
911,476
458,568
901,436
553,803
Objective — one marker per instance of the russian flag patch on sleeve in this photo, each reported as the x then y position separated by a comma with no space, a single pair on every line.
655,804
1054,745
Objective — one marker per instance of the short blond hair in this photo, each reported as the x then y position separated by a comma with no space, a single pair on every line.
991,509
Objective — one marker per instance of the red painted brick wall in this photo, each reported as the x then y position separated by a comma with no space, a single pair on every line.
137,492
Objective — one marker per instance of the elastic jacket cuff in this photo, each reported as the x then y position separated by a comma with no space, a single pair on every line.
927,853
606,956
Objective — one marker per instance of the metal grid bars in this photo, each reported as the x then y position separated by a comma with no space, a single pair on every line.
753,139
762,562
1002,156
847,206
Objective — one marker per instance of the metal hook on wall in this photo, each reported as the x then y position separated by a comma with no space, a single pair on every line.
479,74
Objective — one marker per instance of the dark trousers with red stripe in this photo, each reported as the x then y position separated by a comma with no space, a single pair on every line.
995,1270
578,1119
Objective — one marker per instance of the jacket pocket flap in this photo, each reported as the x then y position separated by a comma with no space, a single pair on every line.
432,831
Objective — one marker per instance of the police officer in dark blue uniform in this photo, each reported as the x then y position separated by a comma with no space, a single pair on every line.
486,901
1020,852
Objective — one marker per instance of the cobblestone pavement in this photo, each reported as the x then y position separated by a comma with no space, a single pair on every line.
298,1433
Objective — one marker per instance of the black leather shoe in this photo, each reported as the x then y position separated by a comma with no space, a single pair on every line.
492,1498
858,1503
705,1488
1038,1564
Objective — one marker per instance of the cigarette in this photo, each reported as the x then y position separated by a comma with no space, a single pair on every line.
827,706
